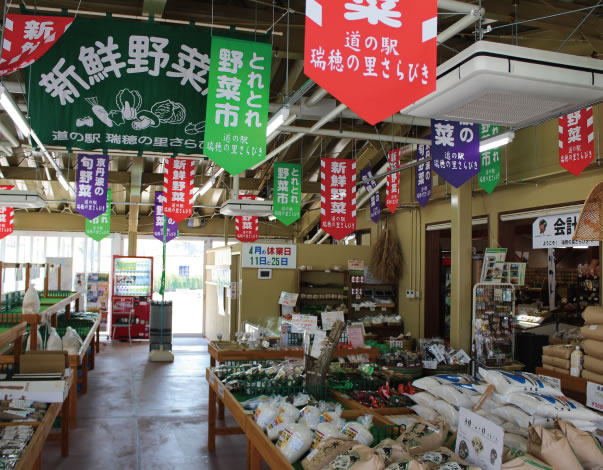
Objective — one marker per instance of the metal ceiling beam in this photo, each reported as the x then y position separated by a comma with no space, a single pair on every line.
354,135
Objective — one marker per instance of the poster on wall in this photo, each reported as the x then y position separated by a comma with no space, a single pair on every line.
269,255
287,192
455,150
7,216
178,187
392,189
489,173
338,196
493,265
577,140
556,231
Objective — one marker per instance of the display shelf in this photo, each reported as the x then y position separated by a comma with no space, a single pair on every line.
321,277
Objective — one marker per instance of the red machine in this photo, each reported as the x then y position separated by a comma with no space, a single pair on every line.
132,293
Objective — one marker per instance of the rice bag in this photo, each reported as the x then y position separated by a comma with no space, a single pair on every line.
359,457
552,407
449,412
556,362
288,410
490,417
515,441
429,384
514,429
404,420
424,437
266,412
422,398
592,364
592,332
513,414
391,451
324,431
525,462
54,341
439,459
72,342
563,351
310,414
274,429
407,464
507,382
454,395
425,412
592,376
553,448
326,452
359,430
38,344
333,416
31,300
593,348
593,315
585,445
294,441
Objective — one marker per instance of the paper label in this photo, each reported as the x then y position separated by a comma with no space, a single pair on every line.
479,441
221,390
430,364
284,439
211,379
594,396
355,336
266,344
320,338
593,327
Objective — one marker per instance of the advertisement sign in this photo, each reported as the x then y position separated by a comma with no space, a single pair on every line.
91,185
28,37
423,175
111,84
287,192
375,201
387,49
178,187
392,189
576,140
7,217
479,441
100,228
556,231
269,255
455,150
489,173
158,220
594,396
247,228
338,196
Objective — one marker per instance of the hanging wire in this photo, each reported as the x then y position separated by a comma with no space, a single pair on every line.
580,24
287,52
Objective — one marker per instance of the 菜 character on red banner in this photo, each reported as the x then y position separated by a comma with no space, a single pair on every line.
338,196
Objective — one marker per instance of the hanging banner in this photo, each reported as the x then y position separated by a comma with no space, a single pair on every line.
392,191
455,150
247,229
100,227
178,187
576,140
7,217
557,231
287,192
375,201
338,196
137,86
385,48
237,103
91,185
172,227
489,173
27,38
423,175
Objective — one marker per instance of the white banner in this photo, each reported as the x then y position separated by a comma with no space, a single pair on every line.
556,231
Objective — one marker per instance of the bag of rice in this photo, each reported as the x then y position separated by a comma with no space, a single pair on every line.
324,431
583,425
359,457
507,382
425,412
592,332
38,344
552,407
54,341
31,300
490,417
391,450
585,445
310,414
274,429
592,376
448,412
593,348
525,462
430,383
266,412
288,410
514,429
552,447
564,351
333,416
407,464
592,364
593,315
515,441
556,362
424,437
457,396
294,441
404,421
359,430
72,342
328,450
513,414
422,398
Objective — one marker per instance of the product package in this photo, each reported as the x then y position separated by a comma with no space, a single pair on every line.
562,351
391,451
553,448
295,440
593,377
593,348
592,332
593,315
586,446
592,364
556,362
328,450
525,462
359,457
508,382
424,437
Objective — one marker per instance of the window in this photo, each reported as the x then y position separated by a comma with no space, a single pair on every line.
38,253
52,247
92,255
65,250
24,249
10,251
106,256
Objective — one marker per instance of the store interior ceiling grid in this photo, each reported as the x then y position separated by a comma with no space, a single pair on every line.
25,168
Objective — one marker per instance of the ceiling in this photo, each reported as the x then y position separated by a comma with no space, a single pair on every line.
540,24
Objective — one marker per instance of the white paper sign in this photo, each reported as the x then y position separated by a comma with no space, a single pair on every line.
268,255
288,299
430,364
556,231
304,322
479,441
594,396
329,319
221,390
320,337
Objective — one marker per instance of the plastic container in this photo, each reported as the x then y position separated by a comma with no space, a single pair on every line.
576,362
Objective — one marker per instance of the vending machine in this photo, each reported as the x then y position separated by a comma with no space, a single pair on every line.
132,293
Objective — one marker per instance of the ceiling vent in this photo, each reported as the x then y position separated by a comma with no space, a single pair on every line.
512,86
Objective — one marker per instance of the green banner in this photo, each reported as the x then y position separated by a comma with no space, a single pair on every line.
237,103
128,85
100,227
489,173
287,192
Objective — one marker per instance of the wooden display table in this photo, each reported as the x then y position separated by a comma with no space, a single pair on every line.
573,387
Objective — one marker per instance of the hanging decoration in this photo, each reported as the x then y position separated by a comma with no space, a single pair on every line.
576,140
159,219
455,150
375,200
489,173
287,192
27,38
392,191
338,196
7,216
100,227
247,228
237,103
387,49
423,175
113,84
178,186
91,185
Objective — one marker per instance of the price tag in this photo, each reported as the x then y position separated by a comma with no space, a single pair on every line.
594,396
221,390
372,309
430,364
212,379
266,344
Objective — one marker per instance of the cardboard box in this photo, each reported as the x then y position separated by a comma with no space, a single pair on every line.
40,362
46,391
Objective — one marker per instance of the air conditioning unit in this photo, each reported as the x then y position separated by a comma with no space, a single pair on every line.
21,199
246,208
493,83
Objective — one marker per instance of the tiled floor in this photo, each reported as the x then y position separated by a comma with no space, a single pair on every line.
143,415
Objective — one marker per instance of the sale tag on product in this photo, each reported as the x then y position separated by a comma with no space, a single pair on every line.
489,173
91,185
455,150
423,175
178,186
375,56
479,441
100,228
171,231
392,191
576,140
594,396
7,218
287,192
375,201
247,227
338,196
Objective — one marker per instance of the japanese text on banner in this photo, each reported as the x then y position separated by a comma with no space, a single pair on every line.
338,196
577,140
392,191
7,216
375,201
159,220
247,227
91,186
423,175
489,173
100,227
178,187
287,192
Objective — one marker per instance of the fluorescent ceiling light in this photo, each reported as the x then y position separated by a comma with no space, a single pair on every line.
581,247
541,213
496,141
21,199
6,101
210,182
277,120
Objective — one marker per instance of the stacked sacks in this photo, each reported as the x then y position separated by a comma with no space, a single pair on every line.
557,357
593,344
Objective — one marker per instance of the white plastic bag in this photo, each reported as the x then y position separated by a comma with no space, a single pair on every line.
429,384
54,341
454,395
294,441
72,341
422,398
425,412
267,412
274,429
448,412
31,300
359,430
515,441
39,344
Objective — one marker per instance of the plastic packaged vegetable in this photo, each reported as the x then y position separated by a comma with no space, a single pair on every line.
359,430
294,441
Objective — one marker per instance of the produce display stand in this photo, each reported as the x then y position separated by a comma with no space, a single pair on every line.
573,387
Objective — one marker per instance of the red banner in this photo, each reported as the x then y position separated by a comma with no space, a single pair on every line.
7,217
576,140
27,38
338,196
392,192
178,186
375,56
247,228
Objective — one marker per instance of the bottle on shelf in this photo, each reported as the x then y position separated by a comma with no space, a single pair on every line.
576,362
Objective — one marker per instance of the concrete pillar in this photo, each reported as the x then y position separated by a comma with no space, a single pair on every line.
132,242
461,242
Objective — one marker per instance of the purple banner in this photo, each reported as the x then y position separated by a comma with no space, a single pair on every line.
375,201
172,227
455,150
423,175
91,185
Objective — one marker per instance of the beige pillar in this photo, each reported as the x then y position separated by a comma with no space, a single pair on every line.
132,241
135,191
461,242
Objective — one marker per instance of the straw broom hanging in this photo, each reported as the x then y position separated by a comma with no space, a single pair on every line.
386,259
